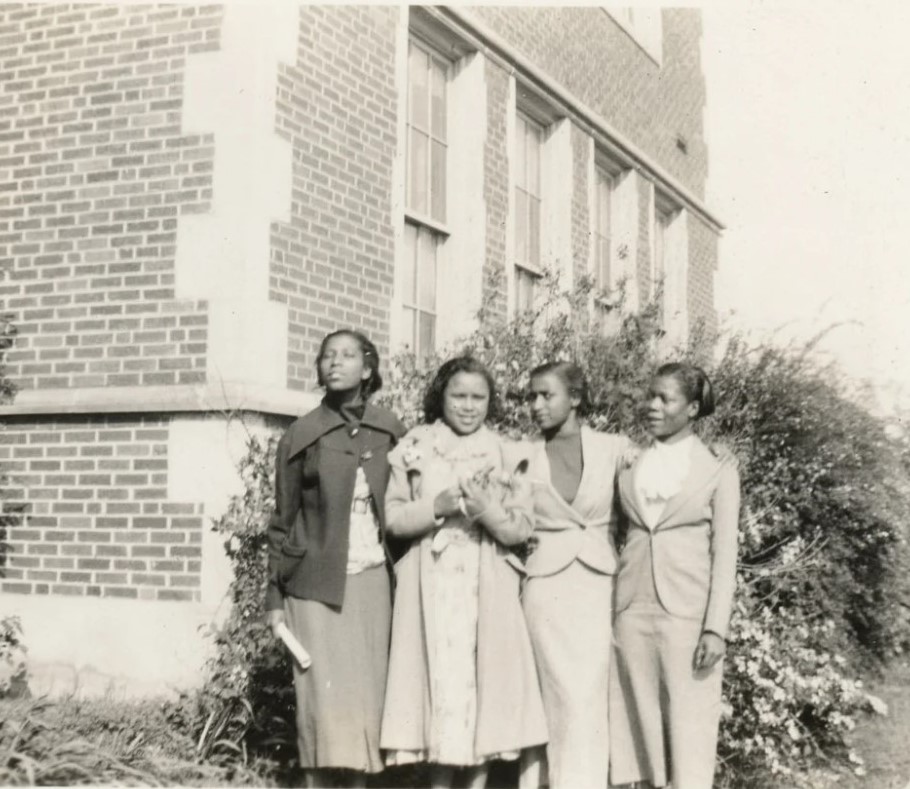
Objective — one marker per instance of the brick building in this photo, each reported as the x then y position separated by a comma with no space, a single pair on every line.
191,196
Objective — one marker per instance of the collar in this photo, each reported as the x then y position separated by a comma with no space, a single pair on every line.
322,419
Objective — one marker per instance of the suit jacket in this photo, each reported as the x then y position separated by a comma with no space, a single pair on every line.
585,529
315,470
692,548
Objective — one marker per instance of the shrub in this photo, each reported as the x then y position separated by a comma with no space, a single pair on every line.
823,554
12,657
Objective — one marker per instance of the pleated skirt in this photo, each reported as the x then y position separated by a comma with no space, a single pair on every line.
340,697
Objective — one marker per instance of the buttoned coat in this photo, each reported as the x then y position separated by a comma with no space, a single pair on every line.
692,547
315,469
586,529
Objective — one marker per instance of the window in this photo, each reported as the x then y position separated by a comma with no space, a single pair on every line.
528,144
603,193
425,202
419,288
670,266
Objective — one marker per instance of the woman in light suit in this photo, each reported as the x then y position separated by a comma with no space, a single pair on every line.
567,598
674,593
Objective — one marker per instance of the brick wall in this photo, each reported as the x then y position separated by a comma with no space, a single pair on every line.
333,263
99,520
702,264
94,175
585,51
496,189
581,218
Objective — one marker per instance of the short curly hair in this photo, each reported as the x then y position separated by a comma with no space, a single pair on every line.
370,358
433,399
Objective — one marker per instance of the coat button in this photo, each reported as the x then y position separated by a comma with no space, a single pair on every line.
367,455
355,431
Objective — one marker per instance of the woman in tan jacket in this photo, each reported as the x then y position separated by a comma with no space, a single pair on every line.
674,593
567,597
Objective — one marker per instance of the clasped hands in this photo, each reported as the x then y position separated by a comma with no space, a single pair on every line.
469,497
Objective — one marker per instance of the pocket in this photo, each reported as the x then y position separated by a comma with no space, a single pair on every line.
289,549
289,561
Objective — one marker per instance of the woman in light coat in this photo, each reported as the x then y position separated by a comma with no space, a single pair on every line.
567,597
674,593
462,687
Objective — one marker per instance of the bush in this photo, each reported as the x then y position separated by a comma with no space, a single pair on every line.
823,561
13,671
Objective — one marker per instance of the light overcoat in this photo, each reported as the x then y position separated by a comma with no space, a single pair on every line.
509,708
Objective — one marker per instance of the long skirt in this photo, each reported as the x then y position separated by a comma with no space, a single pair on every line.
340,696
664,714
569,620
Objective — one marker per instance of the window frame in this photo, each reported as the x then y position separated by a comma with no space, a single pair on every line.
423,223
526,272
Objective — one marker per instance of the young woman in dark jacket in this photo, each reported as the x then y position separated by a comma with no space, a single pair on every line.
329,564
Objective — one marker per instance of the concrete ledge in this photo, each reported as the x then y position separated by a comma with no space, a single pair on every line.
225,398
89,646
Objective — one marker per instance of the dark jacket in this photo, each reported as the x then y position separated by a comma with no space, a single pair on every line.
316,466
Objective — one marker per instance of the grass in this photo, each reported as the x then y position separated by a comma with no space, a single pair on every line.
71,742
100,741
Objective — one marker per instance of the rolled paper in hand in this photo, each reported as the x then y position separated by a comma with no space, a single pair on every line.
294,646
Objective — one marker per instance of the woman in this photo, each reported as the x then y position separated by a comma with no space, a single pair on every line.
328,567
462,685
674,593
568,595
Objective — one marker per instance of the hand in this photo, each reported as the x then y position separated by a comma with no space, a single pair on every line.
476,497
276,617
710,649
447,502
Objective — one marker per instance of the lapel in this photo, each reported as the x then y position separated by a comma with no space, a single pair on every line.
628,495
591,474
566,510
322,419
703,470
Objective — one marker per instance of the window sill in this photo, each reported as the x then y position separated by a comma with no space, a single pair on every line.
422,220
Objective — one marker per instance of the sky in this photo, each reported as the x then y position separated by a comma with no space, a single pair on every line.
808,132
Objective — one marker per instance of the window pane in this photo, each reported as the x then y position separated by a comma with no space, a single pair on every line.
534,231
524,290
521,226
409,326
603,262
533,154
438,92
418,74
408,271
426,278
427,334
438,181
417,172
